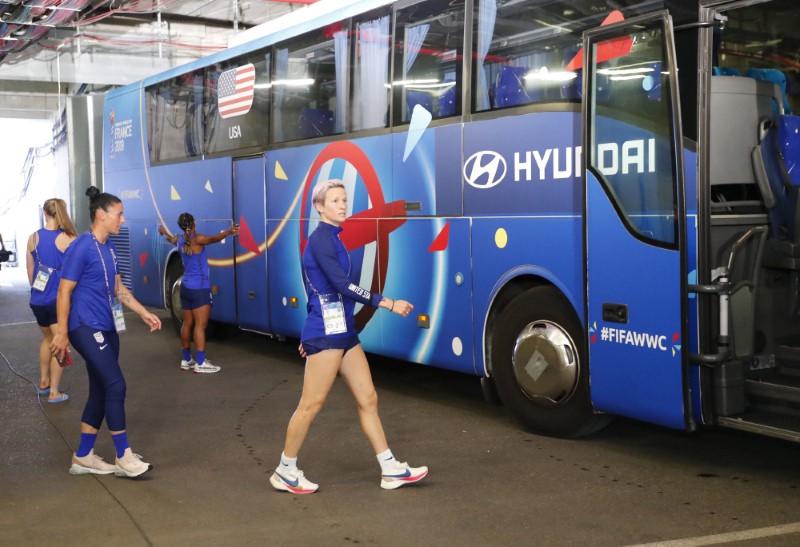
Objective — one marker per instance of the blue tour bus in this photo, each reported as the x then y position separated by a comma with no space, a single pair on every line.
590,204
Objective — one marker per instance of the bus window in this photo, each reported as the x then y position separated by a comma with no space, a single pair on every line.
174,117
236,108
521,49
309,85
371,72
633,130
427,59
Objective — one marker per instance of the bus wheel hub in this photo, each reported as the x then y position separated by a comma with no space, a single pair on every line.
545,363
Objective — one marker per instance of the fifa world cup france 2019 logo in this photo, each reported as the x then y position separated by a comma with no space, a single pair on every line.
111,134
369,228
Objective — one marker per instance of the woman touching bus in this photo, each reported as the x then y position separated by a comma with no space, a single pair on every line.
195,290
90,298
329,342
45,255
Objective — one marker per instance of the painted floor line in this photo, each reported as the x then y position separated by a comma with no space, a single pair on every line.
715,539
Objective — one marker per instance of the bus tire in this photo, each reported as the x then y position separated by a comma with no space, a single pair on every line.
172,290
539,365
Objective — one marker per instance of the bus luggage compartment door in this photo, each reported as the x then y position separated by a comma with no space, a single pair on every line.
634,227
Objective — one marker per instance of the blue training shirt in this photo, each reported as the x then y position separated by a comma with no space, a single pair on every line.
47,254
326,267
91,300
195,268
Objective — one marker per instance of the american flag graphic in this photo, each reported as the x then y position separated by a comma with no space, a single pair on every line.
235,91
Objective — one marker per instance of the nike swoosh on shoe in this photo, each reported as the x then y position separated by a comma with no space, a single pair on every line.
294,484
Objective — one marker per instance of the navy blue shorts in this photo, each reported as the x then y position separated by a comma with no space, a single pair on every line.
191,299
316,345
45,315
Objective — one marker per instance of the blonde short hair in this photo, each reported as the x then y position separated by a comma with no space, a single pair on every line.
321,189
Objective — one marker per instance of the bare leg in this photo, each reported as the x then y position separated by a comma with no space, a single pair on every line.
186,329
200,316
320,373
49,368
355,371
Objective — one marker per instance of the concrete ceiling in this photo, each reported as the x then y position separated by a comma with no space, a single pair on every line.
50,48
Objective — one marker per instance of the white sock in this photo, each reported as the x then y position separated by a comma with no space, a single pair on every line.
288,463
386,460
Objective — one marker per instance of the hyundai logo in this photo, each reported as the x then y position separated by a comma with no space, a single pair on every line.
485,169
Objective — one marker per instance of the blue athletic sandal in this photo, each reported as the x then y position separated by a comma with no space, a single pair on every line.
64,397
43,390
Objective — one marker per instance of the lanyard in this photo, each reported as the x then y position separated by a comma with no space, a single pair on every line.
105,270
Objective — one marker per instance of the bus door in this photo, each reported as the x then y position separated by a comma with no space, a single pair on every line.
249,204
634,222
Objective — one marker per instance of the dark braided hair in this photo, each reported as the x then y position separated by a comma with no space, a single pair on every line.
99,200
185,223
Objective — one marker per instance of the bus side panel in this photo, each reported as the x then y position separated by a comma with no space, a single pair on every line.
526,166
523,165
544,247
430,267
285,292
251,252
122,135
146,272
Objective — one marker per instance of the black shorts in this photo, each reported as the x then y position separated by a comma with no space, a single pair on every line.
192,299
45,315
316,345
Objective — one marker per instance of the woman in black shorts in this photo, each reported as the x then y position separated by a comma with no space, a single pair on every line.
45,254
195,290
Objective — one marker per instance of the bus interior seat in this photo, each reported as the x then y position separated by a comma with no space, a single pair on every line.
510,87
422,98
780,196
776,77
738,105
315,122
725,71
789,145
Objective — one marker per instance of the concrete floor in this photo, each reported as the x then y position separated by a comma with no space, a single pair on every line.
215,439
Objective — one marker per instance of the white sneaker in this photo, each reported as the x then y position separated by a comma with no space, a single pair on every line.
91,463
292,481
131,465
188,365
206,368
402,474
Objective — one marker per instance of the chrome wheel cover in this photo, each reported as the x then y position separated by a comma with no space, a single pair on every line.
545,363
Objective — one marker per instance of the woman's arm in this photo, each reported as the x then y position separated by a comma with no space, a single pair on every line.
29,262
126,297
63,304
324,252
169,237
201,239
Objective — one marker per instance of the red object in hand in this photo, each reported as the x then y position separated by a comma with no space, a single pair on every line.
66,360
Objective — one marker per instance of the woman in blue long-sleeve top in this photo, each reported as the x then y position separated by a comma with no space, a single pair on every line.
329,342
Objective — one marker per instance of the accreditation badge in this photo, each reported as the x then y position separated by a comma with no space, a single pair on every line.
333,313
43,274
119,318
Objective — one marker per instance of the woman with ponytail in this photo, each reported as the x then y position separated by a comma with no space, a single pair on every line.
195,290
45,255
90,317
